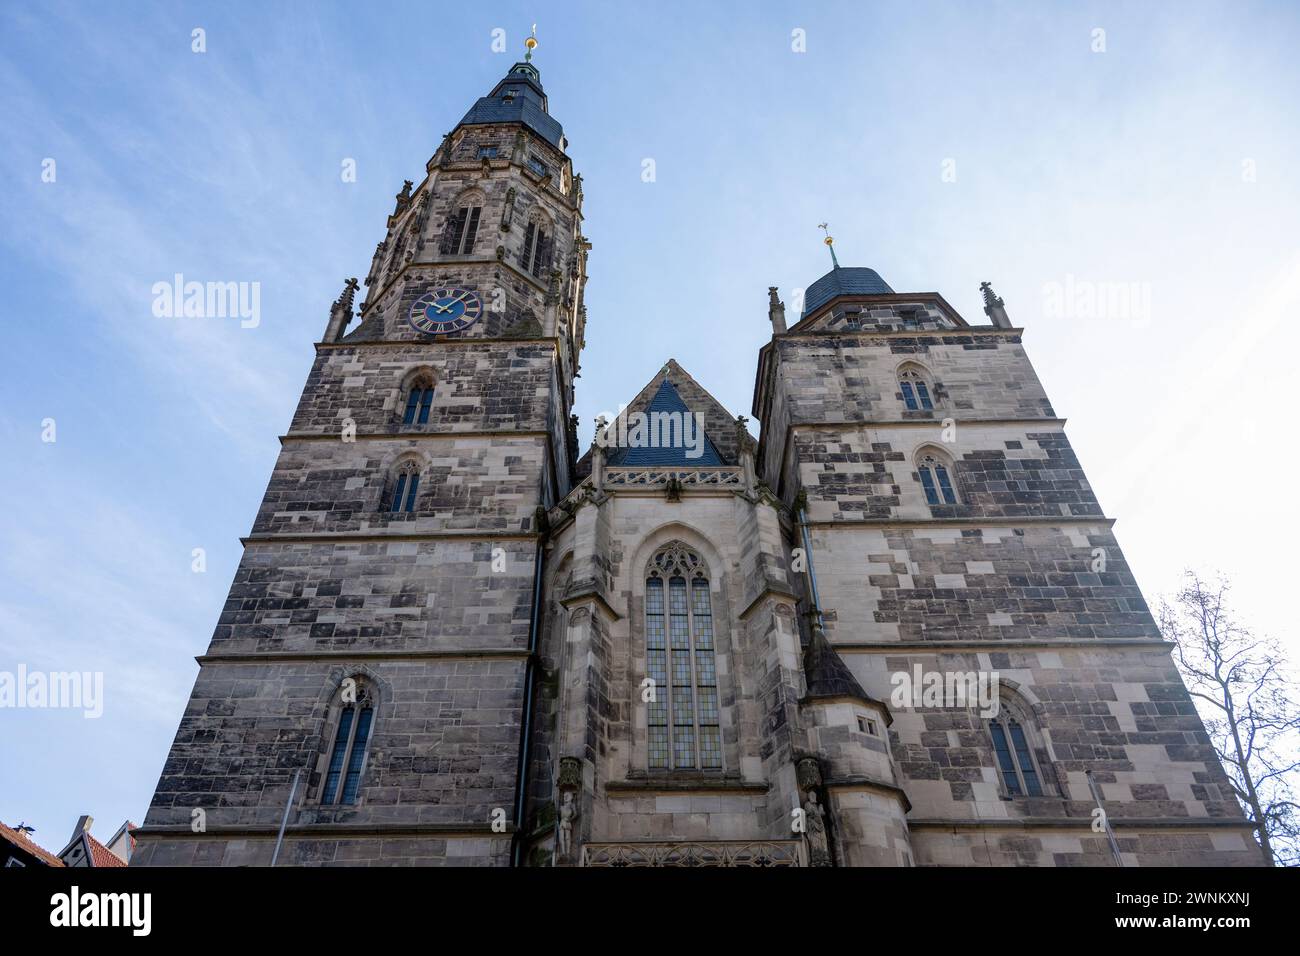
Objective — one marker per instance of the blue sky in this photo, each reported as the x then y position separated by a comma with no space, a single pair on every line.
1167,164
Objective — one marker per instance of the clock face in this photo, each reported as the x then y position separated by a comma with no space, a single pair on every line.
445,310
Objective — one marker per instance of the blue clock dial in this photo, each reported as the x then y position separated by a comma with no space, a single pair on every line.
440,311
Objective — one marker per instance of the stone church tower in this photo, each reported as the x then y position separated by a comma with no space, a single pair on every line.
895,630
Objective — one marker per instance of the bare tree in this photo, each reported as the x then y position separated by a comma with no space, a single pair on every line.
1244,698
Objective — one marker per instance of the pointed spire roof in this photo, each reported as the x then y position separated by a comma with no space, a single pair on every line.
518,98
827,675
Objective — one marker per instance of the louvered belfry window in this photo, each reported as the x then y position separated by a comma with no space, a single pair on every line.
683,726
536,249
461,231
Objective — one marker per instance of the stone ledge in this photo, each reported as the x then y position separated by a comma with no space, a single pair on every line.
342,830
344,537
408,343
260,657
994,521
1075,823
868,783
703,785
404,436
993,645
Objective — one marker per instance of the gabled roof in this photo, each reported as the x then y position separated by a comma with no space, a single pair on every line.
94,852
667,401
101,855
23,842
719,424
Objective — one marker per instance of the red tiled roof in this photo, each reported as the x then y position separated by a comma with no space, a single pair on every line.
23,842
101,855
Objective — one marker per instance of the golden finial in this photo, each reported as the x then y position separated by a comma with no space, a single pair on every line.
531,44
830,242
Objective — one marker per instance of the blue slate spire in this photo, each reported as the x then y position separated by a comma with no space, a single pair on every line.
518,98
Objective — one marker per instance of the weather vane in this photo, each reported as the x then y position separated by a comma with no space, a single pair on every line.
830,242
531,44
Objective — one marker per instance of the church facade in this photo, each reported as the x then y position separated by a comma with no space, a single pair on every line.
894,630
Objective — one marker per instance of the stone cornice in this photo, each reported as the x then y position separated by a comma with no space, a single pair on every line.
1078,823
347,537
938,420
869,783
401,436
333,830
702,785
570,601
776,593
992,645
965,331
263,657
553,341
993,522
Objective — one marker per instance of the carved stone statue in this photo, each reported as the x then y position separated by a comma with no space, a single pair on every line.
508,212
404,197
564,826
815,831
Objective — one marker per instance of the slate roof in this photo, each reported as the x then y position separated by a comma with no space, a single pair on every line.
853,280
677,454
826,672
719,424
528,106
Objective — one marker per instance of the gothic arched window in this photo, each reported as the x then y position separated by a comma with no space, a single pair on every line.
405,486
419,398
462,228
353,729
935,472
683,714
916,388
1013,750
537,248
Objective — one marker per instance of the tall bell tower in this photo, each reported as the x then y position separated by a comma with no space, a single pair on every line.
371,668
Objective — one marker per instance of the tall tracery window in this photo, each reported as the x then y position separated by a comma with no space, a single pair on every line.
537,248
683,717
1014,754
461,230
915,389
405,486
935,473
347,754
